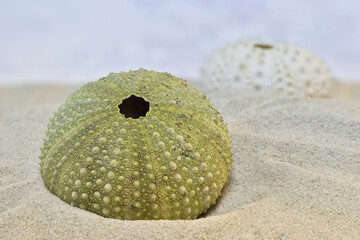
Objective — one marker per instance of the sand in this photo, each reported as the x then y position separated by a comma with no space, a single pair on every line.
296,173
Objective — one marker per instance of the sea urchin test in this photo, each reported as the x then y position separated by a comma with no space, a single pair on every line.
257,66
137,145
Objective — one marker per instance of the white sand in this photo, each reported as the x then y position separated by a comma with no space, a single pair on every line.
296,175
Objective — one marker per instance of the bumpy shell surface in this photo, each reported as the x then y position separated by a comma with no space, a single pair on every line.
170,164
275,67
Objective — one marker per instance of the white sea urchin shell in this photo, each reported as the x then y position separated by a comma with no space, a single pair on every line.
269,67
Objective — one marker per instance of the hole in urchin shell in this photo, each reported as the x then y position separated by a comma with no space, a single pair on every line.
263,46
134,107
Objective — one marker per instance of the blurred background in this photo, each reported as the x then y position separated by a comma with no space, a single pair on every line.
79,41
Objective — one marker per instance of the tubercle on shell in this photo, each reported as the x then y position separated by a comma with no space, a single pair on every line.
170,164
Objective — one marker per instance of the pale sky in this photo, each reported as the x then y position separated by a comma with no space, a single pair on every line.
79,41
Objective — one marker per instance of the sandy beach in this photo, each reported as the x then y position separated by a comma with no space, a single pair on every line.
296,172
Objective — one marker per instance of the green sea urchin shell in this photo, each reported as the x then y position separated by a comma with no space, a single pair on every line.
168,160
